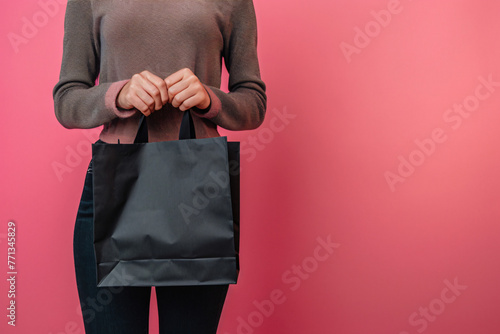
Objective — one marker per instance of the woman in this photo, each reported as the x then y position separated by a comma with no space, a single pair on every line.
158,58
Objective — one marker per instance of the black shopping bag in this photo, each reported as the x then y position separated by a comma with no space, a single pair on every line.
166,213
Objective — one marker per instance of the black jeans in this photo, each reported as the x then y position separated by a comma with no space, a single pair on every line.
123,310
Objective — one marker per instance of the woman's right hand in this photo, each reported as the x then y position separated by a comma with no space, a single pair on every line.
145,91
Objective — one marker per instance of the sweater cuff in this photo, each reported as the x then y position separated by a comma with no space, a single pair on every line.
214,108
110,100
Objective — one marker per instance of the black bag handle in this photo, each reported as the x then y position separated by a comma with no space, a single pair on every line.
186,131
187,127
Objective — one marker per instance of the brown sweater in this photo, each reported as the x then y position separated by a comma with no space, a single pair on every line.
111,40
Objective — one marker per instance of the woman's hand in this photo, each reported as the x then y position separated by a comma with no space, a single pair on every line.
145,92
185,90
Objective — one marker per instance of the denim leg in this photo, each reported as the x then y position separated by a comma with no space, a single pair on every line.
120,310
190,309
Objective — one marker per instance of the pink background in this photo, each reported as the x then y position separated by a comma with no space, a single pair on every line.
373,155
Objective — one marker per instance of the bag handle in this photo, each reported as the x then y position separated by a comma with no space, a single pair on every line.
186,131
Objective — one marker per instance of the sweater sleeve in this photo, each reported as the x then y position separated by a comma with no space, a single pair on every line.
78,101
244,107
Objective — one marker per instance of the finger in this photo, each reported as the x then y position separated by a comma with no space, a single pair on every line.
146,112
172,82
179,92
147,100
134,97
180,85
140,105
143,89
189,103
182,96
157,88
188,99
146,87
173,78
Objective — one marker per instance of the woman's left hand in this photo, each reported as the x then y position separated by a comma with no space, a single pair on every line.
185,90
